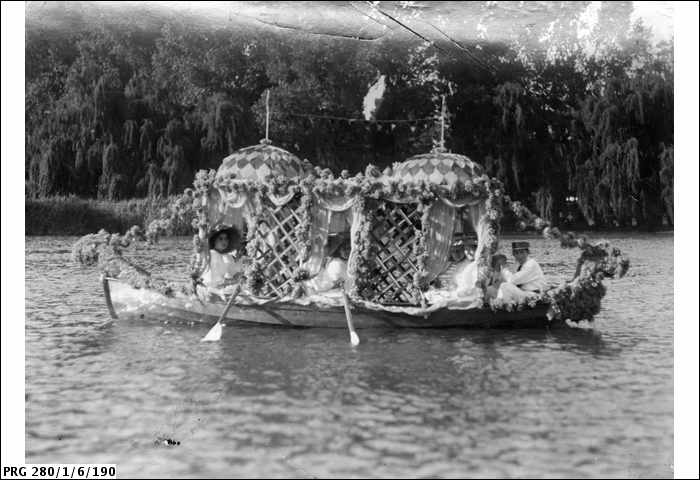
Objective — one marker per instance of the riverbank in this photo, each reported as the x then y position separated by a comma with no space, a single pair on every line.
80,216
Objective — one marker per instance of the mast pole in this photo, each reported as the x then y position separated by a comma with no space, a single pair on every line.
267,115
442,124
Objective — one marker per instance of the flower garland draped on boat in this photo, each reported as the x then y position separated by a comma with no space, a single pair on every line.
215,198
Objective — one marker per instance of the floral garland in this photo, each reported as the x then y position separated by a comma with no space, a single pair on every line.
368,184
493,214
255,271
420,277
578,299
106,250
361,264
302,232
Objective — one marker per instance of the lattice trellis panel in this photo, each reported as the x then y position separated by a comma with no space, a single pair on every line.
393,234
279,247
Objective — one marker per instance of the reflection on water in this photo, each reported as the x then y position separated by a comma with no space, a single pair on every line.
274,401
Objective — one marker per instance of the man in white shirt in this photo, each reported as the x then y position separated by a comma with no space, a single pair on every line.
527,281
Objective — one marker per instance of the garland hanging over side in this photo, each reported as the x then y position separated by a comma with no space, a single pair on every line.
106,249
578,299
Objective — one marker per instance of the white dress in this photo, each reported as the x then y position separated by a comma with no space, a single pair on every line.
522,284
332,276
465,279
221,267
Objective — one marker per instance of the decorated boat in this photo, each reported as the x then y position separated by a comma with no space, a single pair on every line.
401,225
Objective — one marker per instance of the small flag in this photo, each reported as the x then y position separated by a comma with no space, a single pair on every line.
373,98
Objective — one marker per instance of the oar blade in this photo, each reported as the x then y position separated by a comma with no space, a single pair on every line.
214,335
354,339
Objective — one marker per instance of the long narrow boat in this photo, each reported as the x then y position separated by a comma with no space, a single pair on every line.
401,224
125,301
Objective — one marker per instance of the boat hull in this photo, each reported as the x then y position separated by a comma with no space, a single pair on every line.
125,301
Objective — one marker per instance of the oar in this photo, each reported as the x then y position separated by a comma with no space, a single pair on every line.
214,335
354,339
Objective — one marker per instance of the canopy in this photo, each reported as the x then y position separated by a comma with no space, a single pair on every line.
440,168
449,171
254,163
260,161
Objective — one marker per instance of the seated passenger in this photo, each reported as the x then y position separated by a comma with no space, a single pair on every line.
497,275
465,278
224,264
527,281
334,271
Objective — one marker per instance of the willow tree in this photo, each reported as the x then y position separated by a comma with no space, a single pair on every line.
55,169
110,169
619,133
666,179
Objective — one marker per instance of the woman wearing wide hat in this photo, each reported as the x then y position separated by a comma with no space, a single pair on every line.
225,245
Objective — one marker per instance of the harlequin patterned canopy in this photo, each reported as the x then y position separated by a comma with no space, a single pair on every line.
439,168
259,161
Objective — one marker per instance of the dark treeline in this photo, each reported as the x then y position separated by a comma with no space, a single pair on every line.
116,113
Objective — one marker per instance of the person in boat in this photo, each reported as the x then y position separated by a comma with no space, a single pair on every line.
497,275
333,274
465,277
527,281
225,265
460,278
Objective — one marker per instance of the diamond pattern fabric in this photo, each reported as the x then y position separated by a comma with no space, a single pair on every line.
438,168
260,161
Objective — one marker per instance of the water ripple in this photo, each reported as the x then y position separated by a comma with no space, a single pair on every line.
277,402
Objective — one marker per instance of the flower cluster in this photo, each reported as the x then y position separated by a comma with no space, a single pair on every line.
255,271
361,264
302,232
497,304
106,250
580,298
420,277
186,209
101,247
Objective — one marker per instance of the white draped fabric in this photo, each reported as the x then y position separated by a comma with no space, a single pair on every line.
233,208
482,225
438,241
320,225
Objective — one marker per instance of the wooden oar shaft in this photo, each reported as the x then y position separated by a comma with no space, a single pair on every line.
214,333
354,339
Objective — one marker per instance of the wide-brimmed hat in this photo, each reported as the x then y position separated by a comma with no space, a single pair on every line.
521,247
234,236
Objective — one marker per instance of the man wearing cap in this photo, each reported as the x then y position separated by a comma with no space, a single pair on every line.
527,281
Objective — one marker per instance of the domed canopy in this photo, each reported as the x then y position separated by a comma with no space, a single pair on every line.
260,161
439,168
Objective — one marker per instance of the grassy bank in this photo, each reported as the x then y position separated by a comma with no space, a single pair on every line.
79,216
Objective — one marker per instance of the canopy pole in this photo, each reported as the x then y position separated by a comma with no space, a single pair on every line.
442,125
267,115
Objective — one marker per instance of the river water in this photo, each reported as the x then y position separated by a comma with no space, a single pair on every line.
280,402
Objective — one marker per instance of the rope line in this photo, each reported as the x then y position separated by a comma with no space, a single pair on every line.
351,119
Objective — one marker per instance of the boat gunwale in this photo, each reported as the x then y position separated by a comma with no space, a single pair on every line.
439,318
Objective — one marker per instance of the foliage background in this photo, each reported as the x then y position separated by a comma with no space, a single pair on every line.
117,111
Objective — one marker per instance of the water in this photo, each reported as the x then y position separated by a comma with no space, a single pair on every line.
275,401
